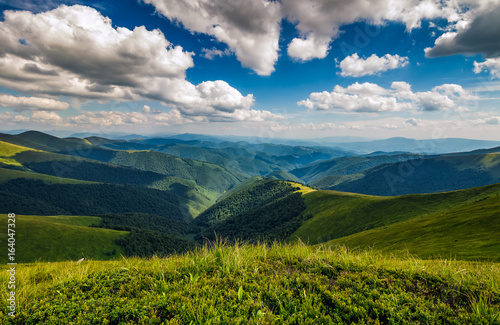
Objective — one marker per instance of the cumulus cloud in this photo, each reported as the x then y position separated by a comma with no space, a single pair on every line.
44,116
478,33
76,52
319,21
308,48
493,65
11,118
354,66
250,28
32,103
369,97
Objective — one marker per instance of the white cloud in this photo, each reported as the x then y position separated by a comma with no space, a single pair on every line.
369,97
45,117
10,118
76,52
54,56
309,48
354,66
490,64
108,118
494,120
212,53
32,103
250,28
319,21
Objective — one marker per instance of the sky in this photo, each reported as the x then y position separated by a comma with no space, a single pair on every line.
285,69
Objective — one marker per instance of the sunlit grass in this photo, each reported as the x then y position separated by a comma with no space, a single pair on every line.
263,284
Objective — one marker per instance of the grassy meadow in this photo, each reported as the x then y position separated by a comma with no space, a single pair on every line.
60,238
258,284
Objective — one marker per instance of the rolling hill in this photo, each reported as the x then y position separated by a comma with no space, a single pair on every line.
428,175
198,184
468,232
270,210
251,159
46,142
283,176
463,224
60,238
104,237
346,166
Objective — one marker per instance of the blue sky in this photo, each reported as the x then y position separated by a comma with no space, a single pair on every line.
290,68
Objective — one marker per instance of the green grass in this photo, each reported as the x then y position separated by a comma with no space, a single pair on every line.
259,284
9,149
57,238
463,224
469,232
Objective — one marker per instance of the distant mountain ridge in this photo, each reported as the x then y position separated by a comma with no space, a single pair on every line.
427,175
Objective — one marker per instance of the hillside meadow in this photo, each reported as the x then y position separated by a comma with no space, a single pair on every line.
258,284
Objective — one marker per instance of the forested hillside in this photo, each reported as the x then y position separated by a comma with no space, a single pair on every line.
265,211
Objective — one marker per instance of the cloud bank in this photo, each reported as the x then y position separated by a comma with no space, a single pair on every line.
32,103
371,98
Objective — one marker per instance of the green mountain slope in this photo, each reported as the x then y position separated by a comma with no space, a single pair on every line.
207,175
254,194
346,165
397,223
195,198
251,159
42,141
468,232
59,238
204,174
9,174
429,175
33,193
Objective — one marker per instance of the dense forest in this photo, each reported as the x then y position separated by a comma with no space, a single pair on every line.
95,171
268,210
146,221
29,196
146,243
259,194
276,220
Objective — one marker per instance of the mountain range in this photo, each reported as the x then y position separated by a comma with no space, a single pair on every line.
165,195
